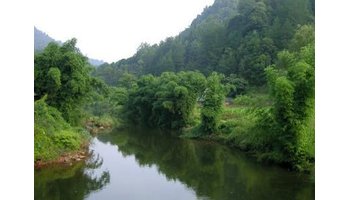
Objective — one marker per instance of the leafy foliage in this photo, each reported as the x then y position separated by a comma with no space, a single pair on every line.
48,118
292,89
52,134
235,85
166,101
62,73
214,96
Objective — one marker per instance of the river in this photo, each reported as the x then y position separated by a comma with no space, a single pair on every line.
151,165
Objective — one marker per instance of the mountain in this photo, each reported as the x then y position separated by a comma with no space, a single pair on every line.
96,62
240,37
41,40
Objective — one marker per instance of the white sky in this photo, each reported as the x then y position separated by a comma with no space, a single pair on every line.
112,30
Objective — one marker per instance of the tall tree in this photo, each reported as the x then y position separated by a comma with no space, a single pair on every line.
214,96
62,73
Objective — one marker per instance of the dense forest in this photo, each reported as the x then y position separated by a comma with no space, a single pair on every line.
242,74
229,37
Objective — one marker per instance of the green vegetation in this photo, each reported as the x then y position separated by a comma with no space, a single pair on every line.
238,119
166,101
212,105
62,73
53,136
279,127
62,86
104,107
292,90
229,37
258,54
275,122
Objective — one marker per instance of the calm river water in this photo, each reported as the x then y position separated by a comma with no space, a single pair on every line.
150,165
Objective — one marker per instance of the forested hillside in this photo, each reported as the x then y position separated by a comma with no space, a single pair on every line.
259,52
230,37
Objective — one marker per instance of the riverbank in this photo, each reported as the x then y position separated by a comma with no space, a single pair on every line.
67,158
96,125
240,128
65,147
54,137
57,143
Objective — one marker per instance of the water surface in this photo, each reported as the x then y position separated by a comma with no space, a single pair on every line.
140,164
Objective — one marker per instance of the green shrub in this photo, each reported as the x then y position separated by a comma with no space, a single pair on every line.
44,148
67,140
47,118
52,134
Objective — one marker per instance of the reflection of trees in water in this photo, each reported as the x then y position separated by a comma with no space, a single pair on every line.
74,182
98,182
211,170
94,161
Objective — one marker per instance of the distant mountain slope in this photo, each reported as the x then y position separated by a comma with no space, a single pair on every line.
96,62
41,40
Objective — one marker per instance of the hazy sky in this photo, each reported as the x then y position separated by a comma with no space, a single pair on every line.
113,29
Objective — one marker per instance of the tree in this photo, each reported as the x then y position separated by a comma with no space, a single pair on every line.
127,80
62,73
303,36
235,85
254,55
227,62
214,96
166,101
292,85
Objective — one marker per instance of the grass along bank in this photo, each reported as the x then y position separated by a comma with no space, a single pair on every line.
240,127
